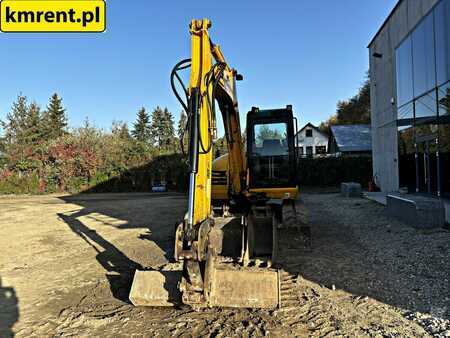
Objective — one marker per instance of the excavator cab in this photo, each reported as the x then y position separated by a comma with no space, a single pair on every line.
271,158
271,153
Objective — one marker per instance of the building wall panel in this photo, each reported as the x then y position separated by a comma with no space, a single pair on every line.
383,89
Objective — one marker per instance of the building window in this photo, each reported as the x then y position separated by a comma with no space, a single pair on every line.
404,72
423,101
406,112
427,170
301,151
309,133
309,151
406,158
444,100
444,138
419,58
321,150
426,108
444,159
442,36
424,68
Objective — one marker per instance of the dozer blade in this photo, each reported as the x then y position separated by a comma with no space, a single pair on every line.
156,288
244,288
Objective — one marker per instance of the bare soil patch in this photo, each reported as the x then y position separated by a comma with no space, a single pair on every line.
67,262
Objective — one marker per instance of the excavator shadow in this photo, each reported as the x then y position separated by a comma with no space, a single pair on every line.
118,266
9,310
133,212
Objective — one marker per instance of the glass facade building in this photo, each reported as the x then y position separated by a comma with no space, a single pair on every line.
423,104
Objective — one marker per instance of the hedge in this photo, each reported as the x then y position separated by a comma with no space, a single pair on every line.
331,171
318,172
169,168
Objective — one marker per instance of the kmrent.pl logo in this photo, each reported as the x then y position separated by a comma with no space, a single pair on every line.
52,16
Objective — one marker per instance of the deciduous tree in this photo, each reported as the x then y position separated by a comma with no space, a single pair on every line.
120,129
355,110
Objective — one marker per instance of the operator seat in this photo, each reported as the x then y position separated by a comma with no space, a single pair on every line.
272,147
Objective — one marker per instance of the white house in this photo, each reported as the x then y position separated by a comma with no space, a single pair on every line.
311,141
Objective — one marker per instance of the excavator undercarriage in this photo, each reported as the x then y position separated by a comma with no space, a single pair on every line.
236,262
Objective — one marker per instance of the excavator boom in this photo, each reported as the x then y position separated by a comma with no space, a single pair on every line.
216,254
210,78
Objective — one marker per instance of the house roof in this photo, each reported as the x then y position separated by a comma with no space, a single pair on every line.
385,22
309,124
355,137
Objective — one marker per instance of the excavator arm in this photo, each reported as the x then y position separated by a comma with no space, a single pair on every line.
211,79
207,276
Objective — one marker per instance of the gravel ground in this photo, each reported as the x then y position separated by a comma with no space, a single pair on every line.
364,252
66,266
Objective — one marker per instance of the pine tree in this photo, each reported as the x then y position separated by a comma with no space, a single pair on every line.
55,118
168,141
182,132
33,124
163,129
142,128
15,124
182,125
157,131
2,150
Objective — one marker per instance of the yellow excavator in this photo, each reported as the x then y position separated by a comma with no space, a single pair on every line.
227,246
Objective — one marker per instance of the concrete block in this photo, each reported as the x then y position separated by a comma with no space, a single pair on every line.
351,189
418,211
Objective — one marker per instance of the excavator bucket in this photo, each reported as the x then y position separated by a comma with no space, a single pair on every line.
227,288
220,282
232,285
156,288
244,289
